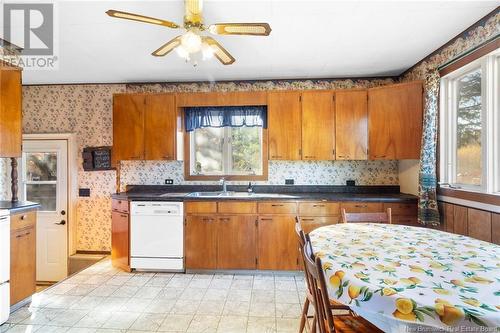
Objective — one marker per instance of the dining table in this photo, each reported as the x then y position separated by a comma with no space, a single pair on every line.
411,279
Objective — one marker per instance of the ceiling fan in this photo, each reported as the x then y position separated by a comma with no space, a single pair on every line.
194,41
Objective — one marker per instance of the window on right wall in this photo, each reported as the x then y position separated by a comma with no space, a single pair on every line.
470,126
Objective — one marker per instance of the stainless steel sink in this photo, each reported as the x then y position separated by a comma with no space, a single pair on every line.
237,195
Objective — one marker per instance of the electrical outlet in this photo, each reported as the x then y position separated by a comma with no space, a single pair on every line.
169,181
289,181
350,182
84,192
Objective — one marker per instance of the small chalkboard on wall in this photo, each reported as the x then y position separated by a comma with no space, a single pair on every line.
97,158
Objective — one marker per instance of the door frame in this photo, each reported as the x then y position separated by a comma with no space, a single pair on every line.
72,186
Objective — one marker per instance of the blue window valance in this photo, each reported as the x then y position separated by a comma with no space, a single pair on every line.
225,116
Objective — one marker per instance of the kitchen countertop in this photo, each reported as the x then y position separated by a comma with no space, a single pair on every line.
14,207
328,193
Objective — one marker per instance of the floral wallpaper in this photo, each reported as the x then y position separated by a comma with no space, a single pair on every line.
427,70
303,173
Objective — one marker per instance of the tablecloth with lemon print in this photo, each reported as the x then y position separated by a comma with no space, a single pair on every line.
411,274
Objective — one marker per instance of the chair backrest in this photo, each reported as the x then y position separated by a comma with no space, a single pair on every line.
320,293
300,232
385,217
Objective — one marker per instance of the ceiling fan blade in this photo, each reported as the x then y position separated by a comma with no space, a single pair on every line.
192,11
167,47
220,53
253,29
141,18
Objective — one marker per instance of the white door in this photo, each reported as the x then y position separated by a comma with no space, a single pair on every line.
44,179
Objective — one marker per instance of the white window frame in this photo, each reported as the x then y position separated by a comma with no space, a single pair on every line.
490,118
227,161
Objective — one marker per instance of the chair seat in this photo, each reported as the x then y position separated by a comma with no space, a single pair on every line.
350,324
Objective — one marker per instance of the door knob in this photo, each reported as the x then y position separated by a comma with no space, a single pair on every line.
63,222
63,212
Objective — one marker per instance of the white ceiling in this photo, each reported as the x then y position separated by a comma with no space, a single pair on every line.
310,39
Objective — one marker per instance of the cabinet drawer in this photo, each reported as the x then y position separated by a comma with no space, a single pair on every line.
237,207
404,209
310,223
277,207
22,220
200,207
362,207
406,220
120,205
319,208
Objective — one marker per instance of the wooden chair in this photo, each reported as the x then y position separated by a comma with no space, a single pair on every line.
384,217
326,321
309,300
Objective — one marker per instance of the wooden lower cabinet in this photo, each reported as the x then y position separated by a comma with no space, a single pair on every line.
120,240
22,256
201,242
277,243
236,242
309,223
362,207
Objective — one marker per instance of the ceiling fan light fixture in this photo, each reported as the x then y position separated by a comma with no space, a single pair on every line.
207,51
182,52
191,42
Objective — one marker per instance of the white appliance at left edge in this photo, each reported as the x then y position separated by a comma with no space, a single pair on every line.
4,265
157,235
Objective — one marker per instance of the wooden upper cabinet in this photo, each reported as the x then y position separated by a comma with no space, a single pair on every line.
284,123
160,128
128,127
318,125
10,112
351,113
395,121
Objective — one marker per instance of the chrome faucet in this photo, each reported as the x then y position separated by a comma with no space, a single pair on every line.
222,182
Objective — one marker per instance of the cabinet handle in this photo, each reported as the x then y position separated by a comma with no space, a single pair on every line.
307,219
206,219
266,219
124,215
24,217
166,157
343,156
276,156
380,156
25,234
361,206
224,219
277,205
309,156
318,205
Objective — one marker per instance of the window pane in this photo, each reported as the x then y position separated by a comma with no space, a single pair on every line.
41,166
208,145
44,194
247,150
469,156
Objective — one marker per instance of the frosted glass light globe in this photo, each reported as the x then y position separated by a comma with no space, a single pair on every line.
181,52
207,51
191,42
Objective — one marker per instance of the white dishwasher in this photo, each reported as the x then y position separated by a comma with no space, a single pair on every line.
157,235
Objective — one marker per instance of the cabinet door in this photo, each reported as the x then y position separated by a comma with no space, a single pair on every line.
237,242
120,240
128,127
22,263
318,126
284,122
277,243
160,127
395,121
201,242
10,112
351,125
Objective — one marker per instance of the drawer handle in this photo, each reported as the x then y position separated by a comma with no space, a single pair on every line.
307,219
25,234
24,217
277,205
343,156
124,215
309,156
266,219
276,156
380,156
360,206
318,205
224,219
